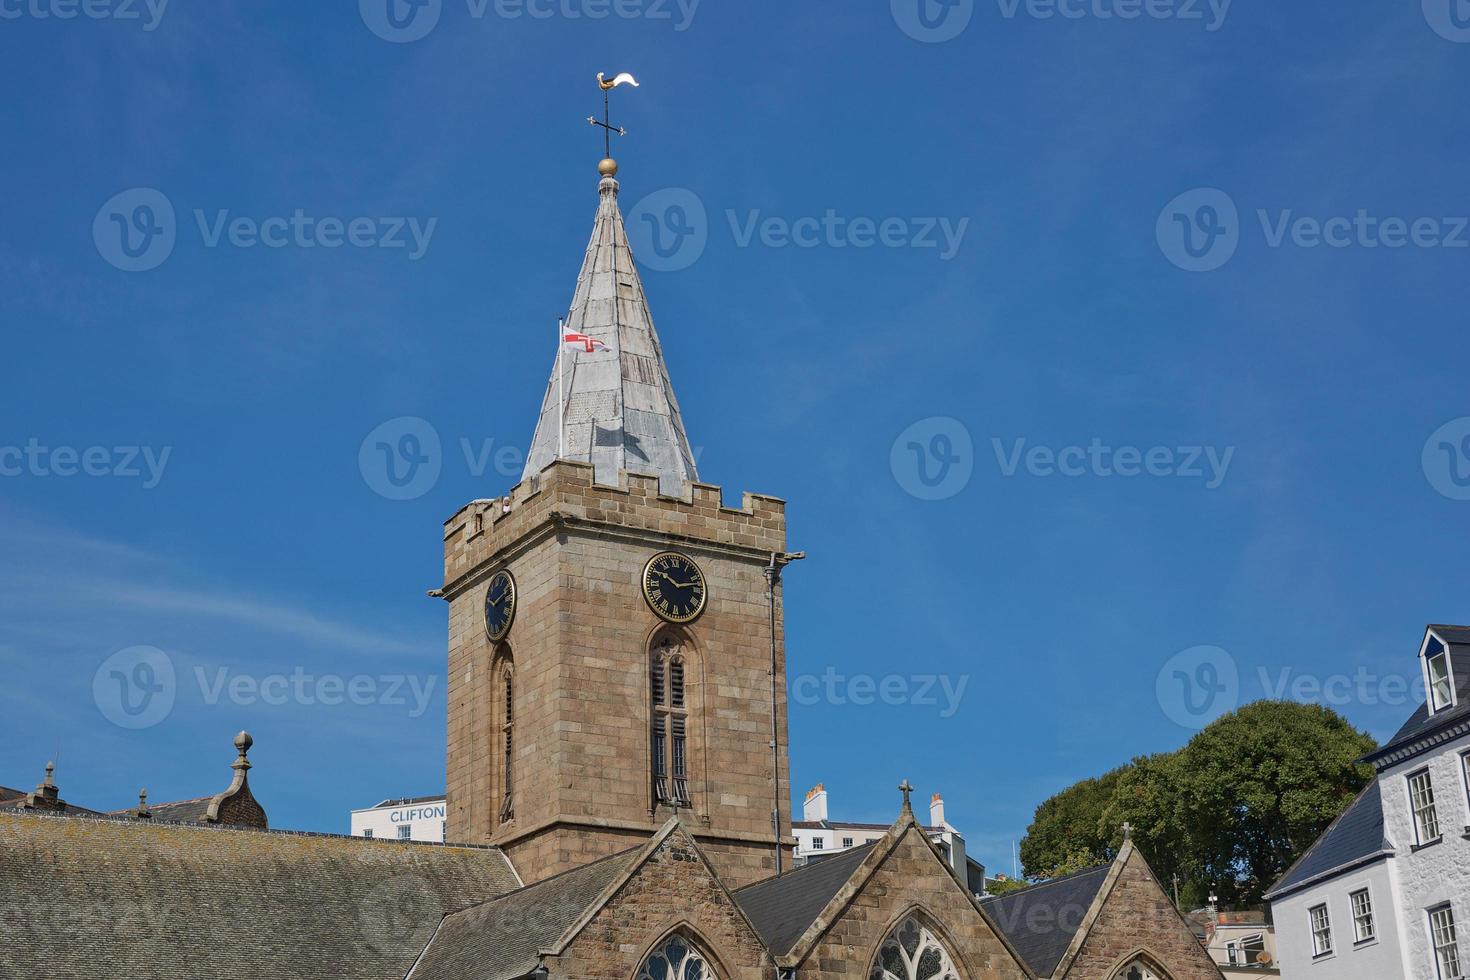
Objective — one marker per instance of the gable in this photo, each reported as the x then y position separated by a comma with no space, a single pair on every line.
1137,917
1042,921
907,877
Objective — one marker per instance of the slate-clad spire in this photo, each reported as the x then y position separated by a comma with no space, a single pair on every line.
620,412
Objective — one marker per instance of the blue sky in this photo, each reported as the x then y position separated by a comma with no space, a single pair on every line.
1060,326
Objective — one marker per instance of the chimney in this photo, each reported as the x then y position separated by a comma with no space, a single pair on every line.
936,811
814,810
46,796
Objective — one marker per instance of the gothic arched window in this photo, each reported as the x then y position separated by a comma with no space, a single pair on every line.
912,952
676,958
507,709
669,739
1139,969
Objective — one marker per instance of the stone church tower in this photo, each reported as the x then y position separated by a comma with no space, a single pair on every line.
611,660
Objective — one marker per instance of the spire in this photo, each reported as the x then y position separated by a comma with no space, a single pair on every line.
619,411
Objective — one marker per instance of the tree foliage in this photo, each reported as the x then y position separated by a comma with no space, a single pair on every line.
1227,813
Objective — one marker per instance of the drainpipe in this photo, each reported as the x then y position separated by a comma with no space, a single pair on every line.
779,560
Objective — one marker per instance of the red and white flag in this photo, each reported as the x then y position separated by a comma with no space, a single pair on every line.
590,345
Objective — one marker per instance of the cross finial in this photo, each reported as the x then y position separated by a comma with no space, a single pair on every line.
1127,831
906,788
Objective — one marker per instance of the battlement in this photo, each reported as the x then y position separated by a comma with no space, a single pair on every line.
564,496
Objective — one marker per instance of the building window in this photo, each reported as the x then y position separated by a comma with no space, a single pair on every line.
405,832
847,842
368,832
1247,951
1321,931
669,740
1364,929
1441,686
676,958
507,742
912,952
1421,799
1446,945
818,844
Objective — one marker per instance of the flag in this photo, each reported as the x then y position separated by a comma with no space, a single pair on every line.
590,345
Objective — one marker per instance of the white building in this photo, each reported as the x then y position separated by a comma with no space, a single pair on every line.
818,836
421,818
1242,944
1385,892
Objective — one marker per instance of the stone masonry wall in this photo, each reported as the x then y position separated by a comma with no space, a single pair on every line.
580,647
673,890
1139,915
911,876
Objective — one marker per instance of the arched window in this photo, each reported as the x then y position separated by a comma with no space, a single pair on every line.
1139,969
669,740
912,952
507,710
676,958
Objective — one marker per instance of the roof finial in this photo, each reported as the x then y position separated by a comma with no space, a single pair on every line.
906,788
50,782
1127,831
143,812
609,167
243,742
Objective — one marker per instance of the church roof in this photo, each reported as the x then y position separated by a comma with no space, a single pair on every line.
619,411
87,897
1041,921
501,939
784,907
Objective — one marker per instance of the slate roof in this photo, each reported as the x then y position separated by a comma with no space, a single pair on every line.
181,811
620,412
783,908
1042,920
1353,839
96,898
1423,732
500,939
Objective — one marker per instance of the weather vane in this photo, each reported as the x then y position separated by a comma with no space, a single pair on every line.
606,121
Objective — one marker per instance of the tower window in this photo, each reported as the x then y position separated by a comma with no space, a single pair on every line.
507,741
669,725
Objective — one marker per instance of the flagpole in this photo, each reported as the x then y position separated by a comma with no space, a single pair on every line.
561,390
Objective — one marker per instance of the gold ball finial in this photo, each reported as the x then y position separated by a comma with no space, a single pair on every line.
608,167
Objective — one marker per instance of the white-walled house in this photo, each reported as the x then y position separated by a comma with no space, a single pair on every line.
818,836
420,818
1385,892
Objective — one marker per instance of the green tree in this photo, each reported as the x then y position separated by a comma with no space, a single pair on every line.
1258,786
1147,797
1067,833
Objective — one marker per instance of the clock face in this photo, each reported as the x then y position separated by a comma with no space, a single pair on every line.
500,606
674,587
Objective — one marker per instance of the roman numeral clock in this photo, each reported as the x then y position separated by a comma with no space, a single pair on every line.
674,587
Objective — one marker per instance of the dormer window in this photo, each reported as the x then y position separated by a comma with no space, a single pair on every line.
1440,679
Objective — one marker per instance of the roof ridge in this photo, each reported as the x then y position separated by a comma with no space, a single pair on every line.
1060,879
826,862
524,889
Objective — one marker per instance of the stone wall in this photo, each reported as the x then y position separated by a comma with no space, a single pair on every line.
580,645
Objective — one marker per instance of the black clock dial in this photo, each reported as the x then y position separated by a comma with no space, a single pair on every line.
674,587
500,606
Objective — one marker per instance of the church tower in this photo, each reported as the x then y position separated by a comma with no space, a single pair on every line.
611,659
